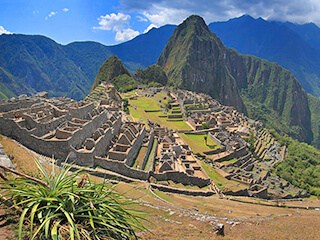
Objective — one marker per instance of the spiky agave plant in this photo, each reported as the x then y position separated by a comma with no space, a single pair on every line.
57,207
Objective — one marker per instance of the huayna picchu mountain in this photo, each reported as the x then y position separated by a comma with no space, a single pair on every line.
195,59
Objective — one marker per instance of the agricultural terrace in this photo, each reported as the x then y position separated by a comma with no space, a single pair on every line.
199,144
151,108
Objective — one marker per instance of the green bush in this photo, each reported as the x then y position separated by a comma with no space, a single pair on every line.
301,166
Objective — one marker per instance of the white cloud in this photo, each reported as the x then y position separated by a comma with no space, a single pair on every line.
65,10
142,19
159,15
119,23
160,12
51,14
126,34
4,31
150,27
113,21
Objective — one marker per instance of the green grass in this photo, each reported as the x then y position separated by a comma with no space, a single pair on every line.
149,163
139,160
233,160
219,180
145,103
214,175
198,144
181,186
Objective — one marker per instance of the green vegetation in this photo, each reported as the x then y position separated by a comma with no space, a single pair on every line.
198,144
36,63
110,70
314,104
145,108
301,166
5,93
233,160
149,163
58,207
205,125
219,180
125,105
140,157
151,75
270,93
251,141
124,83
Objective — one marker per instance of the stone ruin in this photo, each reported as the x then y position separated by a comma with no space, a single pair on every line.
229,129
91,134
94,133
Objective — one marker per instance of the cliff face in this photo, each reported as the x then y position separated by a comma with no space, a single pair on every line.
195,59
109,70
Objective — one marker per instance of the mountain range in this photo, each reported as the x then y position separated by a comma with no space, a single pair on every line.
193,58
30,64
293,46
196,59
35,63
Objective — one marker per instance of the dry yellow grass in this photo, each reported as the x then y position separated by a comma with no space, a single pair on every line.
22,158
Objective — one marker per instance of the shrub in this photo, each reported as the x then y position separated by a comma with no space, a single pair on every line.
58,207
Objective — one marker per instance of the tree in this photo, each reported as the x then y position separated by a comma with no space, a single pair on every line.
206,139
206,125
125,105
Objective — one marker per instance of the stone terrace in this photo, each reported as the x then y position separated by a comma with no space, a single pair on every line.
230,129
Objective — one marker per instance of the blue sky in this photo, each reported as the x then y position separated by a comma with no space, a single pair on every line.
114,21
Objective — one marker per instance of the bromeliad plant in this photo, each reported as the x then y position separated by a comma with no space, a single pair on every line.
57,206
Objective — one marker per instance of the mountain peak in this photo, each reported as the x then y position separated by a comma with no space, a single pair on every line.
195,24
193,59
246,17
195,19
110,69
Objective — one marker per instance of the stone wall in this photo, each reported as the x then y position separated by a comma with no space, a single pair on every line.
181,177
9,106
182,191
88,129
86,158
119,167
238,153
43,146
213,138
61,147
80,112
44,128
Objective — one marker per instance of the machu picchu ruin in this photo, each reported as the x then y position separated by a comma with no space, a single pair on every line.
97,133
